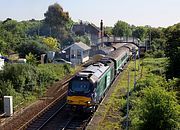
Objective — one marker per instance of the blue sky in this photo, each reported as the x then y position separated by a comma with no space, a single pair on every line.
138,12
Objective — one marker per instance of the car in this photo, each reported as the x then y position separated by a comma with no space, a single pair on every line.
61,61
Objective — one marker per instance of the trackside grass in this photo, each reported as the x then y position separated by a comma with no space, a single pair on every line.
114,113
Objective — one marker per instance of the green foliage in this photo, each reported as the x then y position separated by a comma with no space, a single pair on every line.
51,43
34,47
58,21
158,54
53,72
157,109
55,16
154,54
31,59
21,76
156,33
154,103
158,44
24,81
84,39
140,32
121,29
3,46
173,51
108,30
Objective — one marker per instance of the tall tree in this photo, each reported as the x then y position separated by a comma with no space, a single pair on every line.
58,21
140,32
55,16
173,50
121,29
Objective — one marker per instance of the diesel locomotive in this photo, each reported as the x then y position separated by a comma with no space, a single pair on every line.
89,86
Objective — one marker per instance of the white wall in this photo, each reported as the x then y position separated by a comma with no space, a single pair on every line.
1,64
77,60
85,59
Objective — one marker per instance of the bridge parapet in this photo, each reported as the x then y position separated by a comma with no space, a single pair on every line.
119,40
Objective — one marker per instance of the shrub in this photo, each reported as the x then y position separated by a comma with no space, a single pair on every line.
158,109
158,54
22,76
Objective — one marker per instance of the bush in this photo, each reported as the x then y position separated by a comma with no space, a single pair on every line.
158,109
158,54
21,76
24,81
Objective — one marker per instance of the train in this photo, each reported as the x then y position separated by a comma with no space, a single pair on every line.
89,86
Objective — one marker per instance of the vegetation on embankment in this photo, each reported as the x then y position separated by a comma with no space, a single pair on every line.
153,102
26,82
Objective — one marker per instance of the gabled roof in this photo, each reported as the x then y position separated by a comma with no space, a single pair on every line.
80,44
94,26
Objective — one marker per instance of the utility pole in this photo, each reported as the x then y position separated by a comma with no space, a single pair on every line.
139,58
50,31
150,38
127,116
134,53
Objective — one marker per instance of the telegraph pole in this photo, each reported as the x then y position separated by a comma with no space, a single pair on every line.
127,118
139,58
134,53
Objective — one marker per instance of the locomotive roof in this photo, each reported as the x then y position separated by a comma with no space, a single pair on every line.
118,53
94,72
118,45
131,46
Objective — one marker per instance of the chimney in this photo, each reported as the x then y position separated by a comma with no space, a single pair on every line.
101,28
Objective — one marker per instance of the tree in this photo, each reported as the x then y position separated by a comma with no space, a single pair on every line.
121,29
35,47
108,30
59,22
158,109
51,43
156,33
173,51
85,39
55,16
140,32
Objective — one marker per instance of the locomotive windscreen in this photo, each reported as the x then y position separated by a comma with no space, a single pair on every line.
80,86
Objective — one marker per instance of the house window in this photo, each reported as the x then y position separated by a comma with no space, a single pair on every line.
78,53
67,56
72,54
85,52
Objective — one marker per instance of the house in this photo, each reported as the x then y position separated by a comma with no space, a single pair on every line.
76,53
92,31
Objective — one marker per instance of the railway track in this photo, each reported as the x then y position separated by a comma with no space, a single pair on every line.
65,120
77,122
47,116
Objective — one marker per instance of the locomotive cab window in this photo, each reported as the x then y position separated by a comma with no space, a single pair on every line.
80,86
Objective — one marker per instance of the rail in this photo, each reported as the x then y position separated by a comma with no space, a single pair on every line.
42,111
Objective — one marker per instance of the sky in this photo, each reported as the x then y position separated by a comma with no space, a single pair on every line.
156,13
